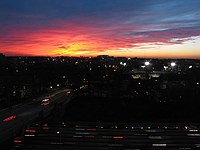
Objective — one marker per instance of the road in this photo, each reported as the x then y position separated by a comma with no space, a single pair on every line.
94,124
109,136
18,117
85,126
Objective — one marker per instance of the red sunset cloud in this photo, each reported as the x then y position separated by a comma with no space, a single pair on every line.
73,39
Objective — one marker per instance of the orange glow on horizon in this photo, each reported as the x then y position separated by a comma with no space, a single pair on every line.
77,40
73,49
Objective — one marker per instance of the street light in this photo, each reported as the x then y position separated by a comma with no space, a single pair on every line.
173,64
147,63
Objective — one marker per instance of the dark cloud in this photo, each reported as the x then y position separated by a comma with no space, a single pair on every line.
64,47
45,12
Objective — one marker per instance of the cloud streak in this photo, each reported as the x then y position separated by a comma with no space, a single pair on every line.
93,27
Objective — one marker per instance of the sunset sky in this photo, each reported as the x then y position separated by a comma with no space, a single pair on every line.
131,28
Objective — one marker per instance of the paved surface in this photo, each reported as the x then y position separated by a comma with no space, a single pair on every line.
96,124
109,136
15,119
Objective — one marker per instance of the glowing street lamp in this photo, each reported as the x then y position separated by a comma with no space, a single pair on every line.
147,63
173,64
123,64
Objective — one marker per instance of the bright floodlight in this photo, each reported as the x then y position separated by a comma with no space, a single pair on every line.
147,63
173,64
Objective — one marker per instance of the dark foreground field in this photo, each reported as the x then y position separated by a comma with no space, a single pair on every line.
127,110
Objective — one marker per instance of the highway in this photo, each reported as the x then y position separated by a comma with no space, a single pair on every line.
76,131
108,136
85,127
15,119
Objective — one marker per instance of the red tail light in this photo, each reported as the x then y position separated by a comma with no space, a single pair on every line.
9,118
17,141
31,131
118,137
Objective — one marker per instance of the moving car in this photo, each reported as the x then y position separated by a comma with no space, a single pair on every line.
45,102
